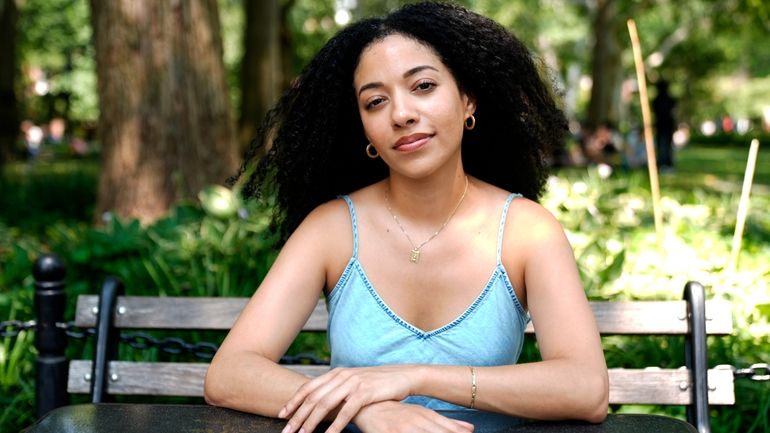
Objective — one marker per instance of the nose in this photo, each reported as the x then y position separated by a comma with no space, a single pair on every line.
403,112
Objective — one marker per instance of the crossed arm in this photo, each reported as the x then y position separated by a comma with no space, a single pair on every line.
570,381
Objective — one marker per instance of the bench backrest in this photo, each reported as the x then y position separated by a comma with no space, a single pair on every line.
627,386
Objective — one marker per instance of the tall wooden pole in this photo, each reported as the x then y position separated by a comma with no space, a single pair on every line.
652,164
743,205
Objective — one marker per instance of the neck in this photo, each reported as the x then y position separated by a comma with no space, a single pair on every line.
426,201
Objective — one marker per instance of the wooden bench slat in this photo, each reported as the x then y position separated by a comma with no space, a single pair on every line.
627,386
157,378
662,386
145,312
613,318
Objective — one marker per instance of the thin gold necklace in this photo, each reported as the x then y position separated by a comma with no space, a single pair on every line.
414,255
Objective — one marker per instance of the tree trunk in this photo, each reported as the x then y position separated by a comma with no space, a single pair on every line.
286,45
607,70
261,66
165,124
9,116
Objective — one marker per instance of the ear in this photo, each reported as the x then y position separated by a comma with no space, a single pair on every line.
470,104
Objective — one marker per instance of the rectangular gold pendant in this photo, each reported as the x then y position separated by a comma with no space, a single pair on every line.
414,256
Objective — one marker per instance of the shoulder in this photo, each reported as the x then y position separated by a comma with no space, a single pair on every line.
525,218
523,213
328,229
532,214
530,230
531,227
328,221
338,213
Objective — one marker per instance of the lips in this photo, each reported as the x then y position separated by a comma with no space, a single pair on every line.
411,142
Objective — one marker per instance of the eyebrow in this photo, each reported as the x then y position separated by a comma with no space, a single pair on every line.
407,74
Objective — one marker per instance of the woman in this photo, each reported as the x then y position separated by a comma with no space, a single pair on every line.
426,119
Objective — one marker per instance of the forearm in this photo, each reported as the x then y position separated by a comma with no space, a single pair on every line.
553,389
250,383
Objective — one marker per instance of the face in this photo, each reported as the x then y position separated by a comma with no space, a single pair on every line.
410,105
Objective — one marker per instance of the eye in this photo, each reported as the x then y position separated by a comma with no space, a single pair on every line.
374,102
424,86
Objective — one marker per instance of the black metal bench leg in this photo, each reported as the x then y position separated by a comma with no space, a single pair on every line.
696,356
107,337
50,338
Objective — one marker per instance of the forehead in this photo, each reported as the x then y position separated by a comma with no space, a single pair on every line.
394,54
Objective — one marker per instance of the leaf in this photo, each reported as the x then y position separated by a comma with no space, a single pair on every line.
764,310
615,269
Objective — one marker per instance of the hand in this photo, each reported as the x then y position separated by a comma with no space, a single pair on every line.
350,389
397,417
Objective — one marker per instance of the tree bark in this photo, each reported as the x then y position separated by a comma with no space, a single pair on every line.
607,70
9,115
261,77
286,45
165,124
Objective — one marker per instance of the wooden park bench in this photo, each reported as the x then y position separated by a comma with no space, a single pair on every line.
693,385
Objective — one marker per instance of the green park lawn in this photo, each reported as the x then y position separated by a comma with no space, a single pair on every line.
706,165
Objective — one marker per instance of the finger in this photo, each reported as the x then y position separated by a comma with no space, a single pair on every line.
319,404
319,413
346,414
452,425
466,426
298,398
303,391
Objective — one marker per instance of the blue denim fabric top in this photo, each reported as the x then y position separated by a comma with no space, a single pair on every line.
364,331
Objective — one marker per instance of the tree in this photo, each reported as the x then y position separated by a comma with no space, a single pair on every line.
261,74
606,65
165,124
9,118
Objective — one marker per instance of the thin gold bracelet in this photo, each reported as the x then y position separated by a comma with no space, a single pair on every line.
473,387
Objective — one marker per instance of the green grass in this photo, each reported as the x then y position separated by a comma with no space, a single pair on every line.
698,165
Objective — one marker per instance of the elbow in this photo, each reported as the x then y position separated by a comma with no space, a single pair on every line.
210,396
213,392
597,414
596,406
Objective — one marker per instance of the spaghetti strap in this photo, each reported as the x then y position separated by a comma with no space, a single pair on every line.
354,223
502,226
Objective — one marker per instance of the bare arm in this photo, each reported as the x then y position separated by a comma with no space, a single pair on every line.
244,374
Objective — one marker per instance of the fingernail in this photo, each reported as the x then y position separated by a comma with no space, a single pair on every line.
282,413
302,430
286,429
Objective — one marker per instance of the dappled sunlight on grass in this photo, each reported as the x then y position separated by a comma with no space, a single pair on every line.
720,168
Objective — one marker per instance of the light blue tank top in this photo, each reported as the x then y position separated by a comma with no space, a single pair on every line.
364,331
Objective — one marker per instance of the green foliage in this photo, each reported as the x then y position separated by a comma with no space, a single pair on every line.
35,193
311,23
188,253
55,35
191,252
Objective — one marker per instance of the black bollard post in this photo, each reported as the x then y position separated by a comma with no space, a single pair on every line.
50,339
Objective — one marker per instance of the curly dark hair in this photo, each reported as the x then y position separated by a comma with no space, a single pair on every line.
315,135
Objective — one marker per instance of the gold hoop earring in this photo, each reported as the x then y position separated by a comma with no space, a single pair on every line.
369,153
470,123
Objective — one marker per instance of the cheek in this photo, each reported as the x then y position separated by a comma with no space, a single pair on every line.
373,127
371,130
450,117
